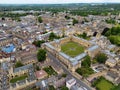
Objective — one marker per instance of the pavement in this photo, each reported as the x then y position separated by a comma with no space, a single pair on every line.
52,57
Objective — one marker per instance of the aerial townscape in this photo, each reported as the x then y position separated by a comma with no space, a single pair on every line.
72,46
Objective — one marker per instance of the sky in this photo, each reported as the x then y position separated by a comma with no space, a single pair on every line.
55,1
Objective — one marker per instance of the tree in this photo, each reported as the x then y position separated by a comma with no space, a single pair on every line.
110,21
53,36
64,75
38,43
67,17
3,18
18,64
17,19
75,21
37,68
84,71
41,55
116,87
64,88
84,35
101,58
40,20
51,87
114,35
86,62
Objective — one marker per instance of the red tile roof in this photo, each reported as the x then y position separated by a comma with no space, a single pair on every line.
40,74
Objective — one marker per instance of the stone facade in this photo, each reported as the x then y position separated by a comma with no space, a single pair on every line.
71,63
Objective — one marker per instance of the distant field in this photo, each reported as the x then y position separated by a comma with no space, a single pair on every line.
72,48
104,85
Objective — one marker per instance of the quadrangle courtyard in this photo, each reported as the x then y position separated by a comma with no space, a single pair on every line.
72,48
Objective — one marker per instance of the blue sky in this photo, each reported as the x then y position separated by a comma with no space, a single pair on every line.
54,1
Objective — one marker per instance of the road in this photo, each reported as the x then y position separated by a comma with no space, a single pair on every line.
52,57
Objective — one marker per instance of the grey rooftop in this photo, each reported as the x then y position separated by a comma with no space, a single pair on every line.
22,68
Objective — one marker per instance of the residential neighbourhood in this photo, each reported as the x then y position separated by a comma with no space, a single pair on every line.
59,51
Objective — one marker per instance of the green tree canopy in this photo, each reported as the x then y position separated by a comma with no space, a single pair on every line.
38,43
84,36
86,62
64,88
40,19
41,55
53,36
110,21
51,87
101,58
67,17
18,64
114,35
84,71
116,87
75,21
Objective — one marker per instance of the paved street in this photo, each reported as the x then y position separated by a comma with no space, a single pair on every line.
52,57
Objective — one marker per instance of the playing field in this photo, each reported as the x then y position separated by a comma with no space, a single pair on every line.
104,85
72,48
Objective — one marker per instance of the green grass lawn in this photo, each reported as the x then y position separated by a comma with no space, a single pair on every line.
103,84
72,48
18,78
50,70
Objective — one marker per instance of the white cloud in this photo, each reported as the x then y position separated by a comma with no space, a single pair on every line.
52,1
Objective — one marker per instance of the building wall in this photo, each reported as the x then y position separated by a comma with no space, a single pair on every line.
6,41
110,64
14,74
93,53
19,87
65,60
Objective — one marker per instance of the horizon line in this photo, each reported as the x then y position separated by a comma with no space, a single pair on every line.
60,3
